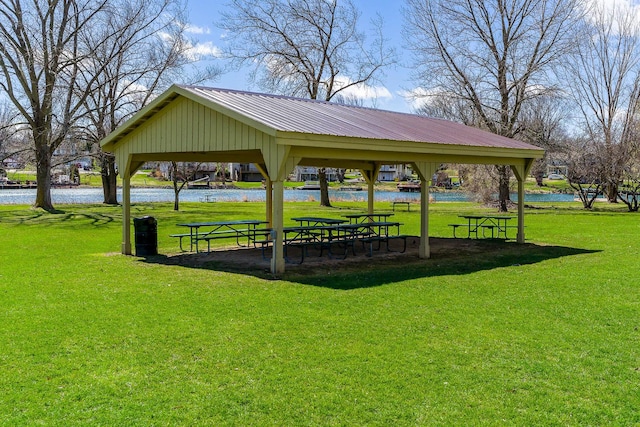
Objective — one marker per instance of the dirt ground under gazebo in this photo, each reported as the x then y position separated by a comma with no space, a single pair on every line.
253,261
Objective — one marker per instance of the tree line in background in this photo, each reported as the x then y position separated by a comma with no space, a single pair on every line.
561,74
74,70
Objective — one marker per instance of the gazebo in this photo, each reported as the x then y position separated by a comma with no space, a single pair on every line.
277,133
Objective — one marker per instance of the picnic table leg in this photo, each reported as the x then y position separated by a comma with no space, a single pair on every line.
193,239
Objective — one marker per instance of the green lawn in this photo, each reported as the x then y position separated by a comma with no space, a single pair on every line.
546,333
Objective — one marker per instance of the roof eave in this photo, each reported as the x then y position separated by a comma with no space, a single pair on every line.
418,147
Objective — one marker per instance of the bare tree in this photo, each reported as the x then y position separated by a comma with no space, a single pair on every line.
585,171
181,173
604,76
308,48
48,61
492,56
11,143
150,54
542,122
42,47
629,188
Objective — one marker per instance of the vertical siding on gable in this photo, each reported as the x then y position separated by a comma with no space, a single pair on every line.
219,121
251,134
185,126
197,143
229,129
176,140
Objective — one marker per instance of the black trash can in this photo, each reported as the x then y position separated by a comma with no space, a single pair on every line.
146,231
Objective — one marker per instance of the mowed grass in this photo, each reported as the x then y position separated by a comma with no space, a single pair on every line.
546,333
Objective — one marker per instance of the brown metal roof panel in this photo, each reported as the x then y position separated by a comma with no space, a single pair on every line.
324,118
307,116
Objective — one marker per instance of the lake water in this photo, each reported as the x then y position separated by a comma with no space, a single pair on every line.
94,195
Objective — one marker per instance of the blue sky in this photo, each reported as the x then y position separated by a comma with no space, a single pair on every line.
204,13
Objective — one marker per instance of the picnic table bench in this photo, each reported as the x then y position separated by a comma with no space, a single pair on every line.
407,204
208,198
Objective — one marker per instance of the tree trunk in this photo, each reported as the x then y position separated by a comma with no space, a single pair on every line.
503,188
611,192
176,199
176,196
43,176
109,178
324,187
587,195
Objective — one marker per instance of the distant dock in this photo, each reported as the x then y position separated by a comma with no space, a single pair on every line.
409,187
17,185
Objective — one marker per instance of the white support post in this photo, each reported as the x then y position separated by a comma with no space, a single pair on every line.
425,171
370,177
370,195
520,236
269,201
521,171
277,257
126,213
425,247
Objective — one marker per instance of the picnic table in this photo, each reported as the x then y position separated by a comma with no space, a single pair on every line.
313,221
368,217
496,224
407,204
340,236
207,231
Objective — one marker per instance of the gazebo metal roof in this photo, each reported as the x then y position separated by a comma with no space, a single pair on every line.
306,116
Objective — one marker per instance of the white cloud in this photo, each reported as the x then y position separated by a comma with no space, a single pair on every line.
419,96
194,29
203,50
613,11
196,51
616,4
362,90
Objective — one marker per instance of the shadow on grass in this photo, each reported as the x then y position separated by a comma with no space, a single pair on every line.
448,257
60,217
